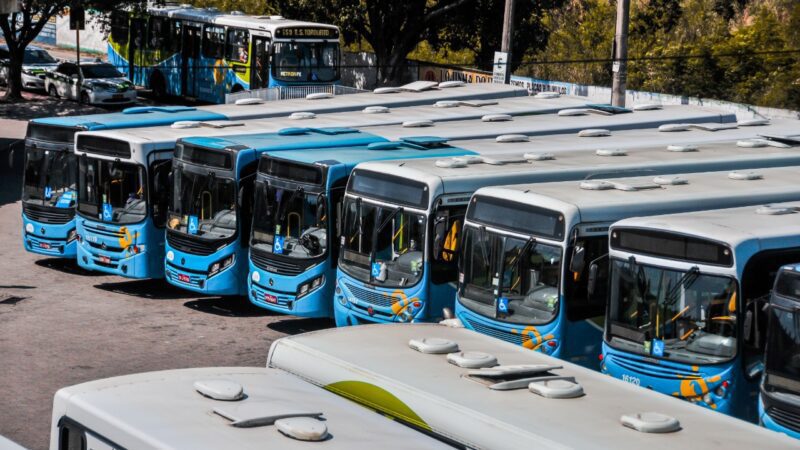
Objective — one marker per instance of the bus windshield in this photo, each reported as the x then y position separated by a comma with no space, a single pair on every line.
293,218
50,178
529,276
203,204
382,244
783,334
306,61
111,191
691,313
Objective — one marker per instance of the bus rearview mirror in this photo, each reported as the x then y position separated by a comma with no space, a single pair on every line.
578,260
591,283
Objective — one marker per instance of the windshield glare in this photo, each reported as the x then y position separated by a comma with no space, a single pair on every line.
100,71
306,61
203,204
37,57
783,342
111,191
292,217
691,313
50,178
396,259
529,276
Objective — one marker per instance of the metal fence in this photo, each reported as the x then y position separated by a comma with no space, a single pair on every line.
290,92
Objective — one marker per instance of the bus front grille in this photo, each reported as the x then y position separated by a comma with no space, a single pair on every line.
515,339
368,296
264,261
191,245
785,418
44,214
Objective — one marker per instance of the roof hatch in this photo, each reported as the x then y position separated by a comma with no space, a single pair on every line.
319,96
446,104
594,132
538,378
497,118
477,103
248,101
376,110
419,86
451,84
647,106
472,360
604,185
417,123
745,176
776,210
610,152
183,124
251,414
547,94
162,109
425,141
509,138
386,90
753,122
433,346
682,148
225,390
303,115
650,422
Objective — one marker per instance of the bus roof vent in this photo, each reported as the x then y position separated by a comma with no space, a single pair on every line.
260,413
604,185
650,422
419,86
669,180
753,122
183,124
510,138
319,95
163,109
539,156
647,106
745,176
302,115
752,143
225,390
547,94
594,132
386,90
293,131
472,360
425,141
446,104
248,101
557,387
393,145
713,126
776,210
376,110
611,152
433,346
303,428
451,163
477,103
220,124
673,127
417,123
451,84
573,112
682,148
497,118
596,185
773,139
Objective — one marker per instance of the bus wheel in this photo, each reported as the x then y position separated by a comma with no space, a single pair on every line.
157,85
237,88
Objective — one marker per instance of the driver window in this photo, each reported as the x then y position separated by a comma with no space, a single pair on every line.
581,305
446,242
160,188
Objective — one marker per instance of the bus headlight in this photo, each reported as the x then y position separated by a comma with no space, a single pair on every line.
309,286
72,235
221,265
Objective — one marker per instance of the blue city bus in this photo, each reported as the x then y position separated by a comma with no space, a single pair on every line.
779,401
297,220
210,213
205,53
49,198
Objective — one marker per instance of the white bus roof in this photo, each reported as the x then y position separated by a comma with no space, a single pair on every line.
761,227
159,410
435,394
609,200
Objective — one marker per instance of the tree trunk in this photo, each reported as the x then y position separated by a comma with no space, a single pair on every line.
14,92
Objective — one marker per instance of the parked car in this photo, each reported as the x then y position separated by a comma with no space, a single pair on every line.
35,64
100,83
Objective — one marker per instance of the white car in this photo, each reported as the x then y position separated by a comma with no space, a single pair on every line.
35,65
100,83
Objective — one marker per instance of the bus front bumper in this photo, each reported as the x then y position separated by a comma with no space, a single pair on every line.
192,272
540,339
50,240
354,304
281,293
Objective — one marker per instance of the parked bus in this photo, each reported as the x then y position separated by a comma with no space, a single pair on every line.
49,197
190,259
215,408
481,393
205,53
299,282
374,285
686,300
779,402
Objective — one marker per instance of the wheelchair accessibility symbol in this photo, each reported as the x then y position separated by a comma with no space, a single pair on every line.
277,246
193,224
108,212
502,305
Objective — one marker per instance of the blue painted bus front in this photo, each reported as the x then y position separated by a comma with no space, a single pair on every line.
220,266
132,250
51,230
306,288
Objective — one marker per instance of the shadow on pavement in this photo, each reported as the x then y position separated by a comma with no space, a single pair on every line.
65,265
150,289
297,326
228,307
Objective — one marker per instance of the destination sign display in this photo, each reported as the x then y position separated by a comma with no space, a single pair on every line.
306,33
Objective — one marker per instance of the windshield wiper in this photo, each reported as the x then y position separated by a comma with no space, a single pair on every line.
685,282
380,228
529,244
484,248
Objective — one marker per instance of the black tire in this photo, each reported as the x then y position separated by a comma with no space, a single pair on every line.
237,88
158,85
52,91
85,99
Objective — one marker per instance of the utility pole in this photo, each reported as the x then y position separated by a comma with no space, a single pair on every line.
508,32
620,64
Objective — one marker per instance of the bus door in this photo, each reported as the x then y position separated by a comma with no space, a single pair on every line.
259,60
190,50
136,50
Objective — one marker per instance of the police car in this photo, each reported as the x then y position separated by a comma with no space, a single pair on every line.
35,65
94,82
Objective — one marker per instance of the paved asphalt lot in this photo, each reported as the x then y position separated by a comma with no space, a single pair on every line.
60,325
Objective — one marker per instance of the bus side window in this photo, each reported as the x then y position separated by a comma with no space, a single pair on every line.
160,190
237,45
119,27
446,231
213,41
155,36
175,35
581,304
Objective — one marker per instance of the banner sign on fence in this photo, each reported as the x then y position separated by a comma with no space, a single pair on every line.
444,73
499,74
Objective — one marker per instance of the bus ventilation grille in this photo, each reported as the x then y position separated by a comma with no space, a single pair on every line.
785,418
191,245
48,215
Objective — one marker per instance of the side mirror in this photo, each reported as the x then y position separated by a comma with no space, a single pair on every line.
439,231
578,260
170,180
322,207
591,283
748,325
755,370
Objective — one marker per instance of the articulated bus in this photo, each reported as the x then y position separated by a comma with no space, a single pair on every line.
482,393
115,243
49,197
219,407
779,401
190,258
373,282
686,305
298,280
205,53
